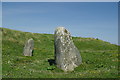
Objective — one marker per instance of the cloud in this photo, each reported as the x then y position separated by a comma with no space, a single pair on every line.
9,11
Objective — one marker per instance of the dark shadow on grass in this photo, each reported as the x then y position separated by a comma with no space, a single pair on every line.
51,62
32,52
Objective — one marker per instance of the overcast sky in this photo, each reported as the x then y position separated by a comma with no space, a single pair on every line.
82,19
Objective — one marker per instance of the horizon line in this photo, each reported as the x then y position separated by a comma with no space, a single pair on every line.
71,35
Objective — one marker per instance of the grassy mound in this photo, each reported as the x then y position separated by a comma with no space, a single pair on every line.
100,58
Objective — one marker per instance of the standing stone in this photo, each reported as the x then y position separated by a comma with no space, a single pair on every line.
28,48
67,56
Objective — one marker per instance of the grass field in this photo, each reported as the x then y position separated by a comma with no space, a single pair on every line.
100,58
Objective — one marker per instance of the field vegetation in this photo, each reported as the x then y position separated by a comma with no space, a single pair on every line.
100,58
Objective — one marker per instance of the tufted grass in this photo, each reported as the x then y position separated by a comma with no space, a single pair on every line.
100,58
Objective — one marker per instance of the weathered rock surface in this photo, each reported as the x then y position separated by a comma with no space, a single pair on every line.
67,56
28,48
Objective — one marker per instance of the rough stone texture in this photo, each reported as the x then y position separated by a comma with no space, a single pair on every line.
67,56
28,48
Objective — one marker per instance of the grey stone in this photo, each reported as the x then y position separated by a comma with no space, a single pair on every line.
67,56
28,48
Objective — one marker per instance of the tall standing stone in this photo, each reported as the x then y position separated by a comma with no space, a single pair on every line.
67,56
28,48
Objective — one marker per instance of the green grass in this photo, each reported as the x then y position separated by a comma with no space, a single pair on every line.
100,58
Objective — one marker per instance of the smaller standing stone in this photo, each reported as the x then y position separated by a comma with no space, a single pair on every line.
28,48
